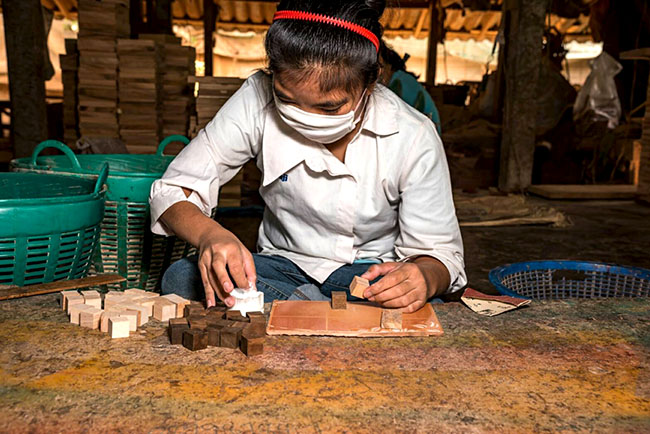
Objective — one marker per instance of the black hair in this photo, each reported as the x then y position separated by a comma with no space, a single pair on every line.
388,56
343,59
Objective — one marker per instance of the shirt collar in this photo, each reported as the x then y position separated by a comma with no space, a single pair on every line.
381,113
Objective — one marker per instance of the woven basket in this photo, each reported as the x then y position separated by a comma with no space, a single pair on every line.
570,279
49,226
127,246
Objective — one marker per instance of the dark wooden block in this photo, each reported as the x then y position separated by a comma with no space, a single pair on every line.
251,345
177,326
255,329
193,310
256,317
197,322
339,300
214,336
235,315
230,336
195,340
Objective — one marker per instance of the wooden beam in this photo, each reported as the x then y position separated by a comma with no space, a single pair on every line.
434,37
524,32
209,23
11,292
420,24
64,8
26,50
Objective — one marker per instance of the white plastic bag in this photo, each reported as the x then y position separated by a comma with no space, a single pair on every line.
598,98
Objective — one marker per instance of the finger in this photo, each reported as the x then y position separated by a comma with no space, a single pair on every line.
413,307
207,285
249,268
394,292
391,279
403,301
236,268
219,269
379,270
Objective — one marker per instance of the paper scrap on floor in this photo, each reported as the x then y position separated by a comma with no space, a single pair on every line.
491,305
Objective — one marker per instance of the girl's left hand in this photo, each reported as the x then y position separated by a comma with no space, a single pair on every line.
405,285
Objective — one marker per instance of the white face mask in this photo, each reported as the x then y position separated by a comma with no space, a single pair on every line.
320,128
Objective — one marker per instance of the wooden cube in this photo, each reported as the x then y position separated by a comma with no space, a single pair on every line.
64,298
339,300
148,304
118,327
180,303
92,298
75,311
90,318
255,329
106,315
251,345
195,340
230,336
177,326
391,319
115,300
132,316
235,315
164,310
358,286
256,317
214,335
136,291
197,322
193,309
142,312
73,299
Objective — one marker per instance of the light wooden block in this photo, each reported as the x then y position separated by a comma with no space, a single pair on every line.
115,300
90,318
132,316
180,303
148,304
64,298
75,311
136,291
358,286
106,315
73,299
164,310
391,319
92,298
119,327
142,311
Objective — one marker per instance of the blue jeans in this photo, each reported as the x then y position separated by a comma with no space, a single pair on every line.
277,278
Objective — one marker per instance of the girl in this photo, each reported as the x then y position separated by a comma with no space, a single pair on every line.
354,180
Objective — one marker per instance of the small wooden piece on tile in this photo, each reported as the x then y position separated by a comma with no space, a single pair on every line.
235,315
177,326
163,309
339,300
90,318
250,344
195,340
391,319
118,327
180,303
358,286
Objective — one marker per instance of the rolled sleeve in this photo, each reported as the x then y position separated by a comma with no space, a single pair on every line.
215,156
427,217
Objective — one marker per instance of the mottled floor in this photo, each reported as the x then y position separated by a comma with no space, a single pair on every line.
579,366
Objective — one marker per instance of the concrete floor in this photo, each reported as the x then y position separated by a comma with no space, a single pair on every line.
572,366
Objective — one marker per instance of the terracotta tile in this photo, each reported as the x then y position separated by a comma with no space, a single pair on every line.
299,323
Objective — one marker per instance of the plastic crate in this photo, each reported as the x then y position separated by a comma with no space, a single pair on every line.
570,279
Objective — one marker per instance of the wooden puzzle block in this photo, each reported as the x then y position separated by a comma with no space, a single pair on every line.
339,300
136,291
180,303
75,311
119,327
391,319
197,322
163,309
132,316
251,345
73,299
256,317
230,336
115,300
147,302
106,315
177,326
235,315
143,312
256,329
214,335
218,310
92,298
90,318
358,286
193,309
195,340
64,298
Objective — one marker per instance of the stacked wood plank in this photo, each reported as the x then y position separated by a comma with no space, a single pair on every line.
644,167
212,93
139,93
101,23
70,78
177,96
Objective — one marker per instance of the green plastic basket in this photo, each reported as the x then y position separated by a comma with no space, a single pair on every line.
127,246
49,226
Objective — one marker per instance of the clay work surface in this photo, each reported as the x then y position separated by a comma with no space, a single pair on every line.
358,320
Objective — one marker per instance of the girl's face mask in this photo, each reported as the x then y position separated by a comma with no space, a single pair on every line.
317,127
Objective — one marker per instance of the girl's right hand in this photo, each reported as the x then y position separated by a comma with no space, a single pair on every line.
222,256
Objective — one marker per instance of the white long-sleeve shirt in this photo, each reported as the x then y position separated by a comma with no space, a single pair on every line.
390,200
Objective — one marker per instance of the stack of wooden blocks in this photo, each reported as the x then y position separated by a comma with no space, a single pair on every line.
218,327
211,94
120,313
70,78
177,96
101,23
140,81
644,166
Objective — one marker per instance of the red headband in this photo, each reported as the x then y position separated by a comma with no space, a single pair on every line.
308,16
